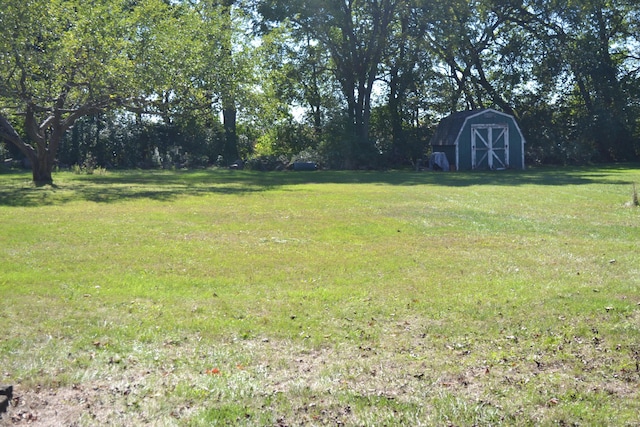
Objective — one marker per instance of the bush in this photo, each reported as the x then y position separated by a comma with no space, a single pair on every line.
267,163
310,155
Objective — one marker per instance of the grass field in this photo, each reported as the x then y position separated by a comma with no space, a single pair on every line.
324,298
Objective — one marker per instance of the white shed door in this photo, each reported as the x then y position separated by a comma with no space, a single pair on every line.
490,146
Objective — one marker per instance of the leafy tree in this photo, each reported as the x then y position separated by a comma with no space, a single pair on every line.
65,59
226,64
148,56
407,71
298,92
468,40
355,33
585,63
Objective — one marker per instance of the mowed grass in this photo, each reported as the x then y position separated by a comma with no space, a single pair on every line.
325,298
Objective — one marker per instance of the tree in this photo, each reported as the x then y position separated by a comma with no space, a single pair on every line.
296,77
584,56
65,59
227,93
407,68
226,64
355,33
468,40
60,60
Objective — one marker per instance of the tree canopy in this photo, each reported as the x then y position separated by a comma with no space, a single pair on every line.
346,83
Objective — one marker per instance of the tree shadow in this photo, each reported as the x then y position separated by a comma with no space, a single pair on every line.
17,190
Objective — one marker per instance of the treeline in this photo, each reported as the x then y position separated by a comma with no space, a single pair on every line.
116,140
344,83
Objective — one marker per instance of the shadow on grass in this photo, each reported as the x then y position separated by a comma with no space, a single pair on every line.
22,193
16,189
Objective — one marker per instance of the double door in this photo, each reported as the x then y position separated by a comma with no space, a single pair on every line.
490,146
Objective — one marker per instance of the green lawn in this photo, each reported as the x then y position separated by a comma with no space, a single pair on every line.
322,298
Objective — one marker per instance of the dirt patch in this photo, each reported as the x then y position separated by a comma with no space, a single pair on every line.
86,404
58,407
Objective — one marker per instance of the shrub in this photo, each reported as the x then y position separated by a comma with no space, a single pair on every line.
267,163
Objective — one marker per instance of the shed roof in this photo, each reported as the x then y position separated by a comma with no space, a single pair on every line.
449,128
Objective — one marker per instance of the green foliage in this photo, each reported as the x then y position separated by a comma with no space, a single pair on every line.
119,141
361,83
66,59
57,47
285,138
355,35
581,65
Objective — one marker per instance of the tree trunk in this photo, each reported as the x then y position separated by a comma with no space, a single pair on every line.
395,111
41,168
317,122
230,152
315,102
41,161
229,110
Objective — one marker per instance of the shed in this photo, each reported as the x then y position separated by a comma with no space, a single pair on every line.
480,139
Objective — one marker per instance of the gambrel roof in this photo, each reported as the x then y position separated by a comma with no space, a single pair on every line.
449,129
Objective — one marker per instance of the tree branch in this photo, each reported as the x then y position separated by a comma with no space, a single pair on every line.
8,133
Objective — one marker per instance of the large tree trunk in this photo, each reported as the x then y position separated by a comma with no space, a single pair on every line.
230,151
41,154
41,168
41,161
